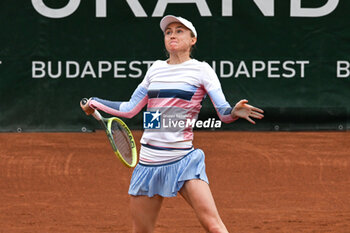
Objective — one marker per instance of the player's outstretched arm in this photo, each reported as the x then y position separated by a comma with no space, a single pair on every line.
127,109
246,111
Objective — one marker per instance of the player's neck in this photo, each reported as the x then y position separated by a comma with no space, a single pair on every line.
178,58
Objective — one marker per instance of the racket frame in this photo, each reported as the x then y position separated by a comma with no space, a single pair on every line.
107,125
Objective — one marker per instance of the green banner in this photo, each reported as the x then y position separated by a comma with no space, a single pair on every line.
291,58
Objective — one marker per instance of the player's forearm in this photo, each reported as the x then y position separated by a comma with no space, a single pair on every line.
115,110
126,109
222,107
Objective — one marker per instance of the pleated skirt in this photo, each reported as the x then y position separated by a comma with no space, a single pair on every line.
167,179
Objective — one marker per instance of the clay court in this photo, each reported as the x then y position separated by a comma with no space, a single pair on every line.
261,181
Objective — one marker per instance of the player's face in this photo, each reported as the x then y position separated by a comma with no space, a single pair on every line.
177,38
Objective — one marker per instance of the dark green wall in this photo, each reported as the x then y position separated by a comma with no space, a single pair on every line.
317,101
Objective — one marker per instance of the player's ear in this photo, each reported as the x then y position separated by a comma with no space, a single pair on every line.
193,40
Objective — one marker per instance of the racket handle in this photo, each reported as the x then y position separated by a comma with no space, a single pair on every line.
89,110
84,101
97,115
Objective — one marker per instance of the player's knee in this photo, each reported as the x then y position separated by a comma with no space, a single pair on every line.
142,230
140,227
216,227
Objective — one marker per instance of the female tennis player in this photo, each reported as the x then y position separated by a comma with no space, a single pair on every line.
168,162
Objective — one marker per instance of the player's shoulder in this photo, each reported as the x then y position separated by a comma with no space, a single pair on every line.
202,64
206,68
194,61
156,64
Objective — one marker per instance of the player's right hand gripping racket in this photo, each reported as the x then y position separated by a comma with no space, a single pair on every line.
120,137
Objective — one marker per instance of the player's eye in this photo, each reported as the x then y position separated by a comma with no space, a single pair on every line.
168,32
179,31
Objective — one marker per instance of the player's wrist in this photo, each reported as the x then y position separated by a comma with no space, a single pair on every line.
233,113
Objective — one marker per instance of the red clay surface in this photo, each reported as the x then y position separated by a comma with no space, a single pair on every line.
261,181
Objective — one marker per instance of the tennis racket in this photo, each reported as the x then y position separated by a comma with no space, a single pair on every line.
120,137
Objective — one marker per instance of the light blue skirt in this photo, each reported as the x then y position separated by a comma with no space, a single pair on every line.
167,179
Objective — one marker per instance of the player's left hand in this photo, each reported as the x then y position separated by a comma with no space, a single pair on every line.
246,111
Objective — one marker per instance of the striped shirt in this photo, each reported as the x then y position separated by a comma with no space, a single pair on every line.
176,91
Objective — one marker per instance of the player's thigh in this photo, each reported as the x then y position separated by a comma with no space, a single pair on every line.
144,212
197,193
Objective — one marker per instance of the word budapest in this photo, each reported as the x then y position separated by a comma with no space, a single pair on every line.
138,69
267,7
